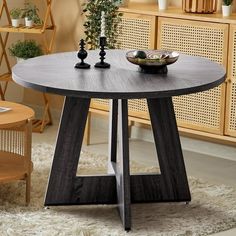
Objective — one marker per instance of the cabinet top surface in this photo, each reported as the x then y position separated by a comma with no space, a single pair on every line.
55,73
173,12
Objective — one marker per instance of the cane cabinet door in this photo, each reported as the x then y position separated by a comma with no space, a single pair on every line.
201,111
230,125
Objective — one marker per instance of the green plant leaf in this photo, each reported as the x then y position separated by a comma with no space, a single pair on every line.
26,49
93,21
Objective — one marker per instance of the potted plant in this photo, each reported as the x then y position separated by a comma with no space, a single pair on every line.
23,50
93,10
226,7
30,13
15,14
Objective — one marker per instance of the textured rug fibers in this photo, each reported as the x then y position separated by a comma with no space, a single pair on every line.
213,208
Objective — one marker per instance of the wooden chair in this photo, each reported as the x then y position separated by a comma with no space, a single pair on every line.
15,145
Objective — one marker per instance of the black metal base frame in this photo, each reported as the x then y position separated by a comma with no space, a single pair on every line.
121,188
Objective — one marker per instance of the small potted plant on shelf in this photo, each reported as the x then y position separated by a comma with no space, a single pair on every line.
30,13
23,50
227,7
163,4
93,10
15,14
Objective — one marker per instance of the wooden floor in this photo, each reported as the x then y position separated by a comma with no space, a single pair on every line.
205,165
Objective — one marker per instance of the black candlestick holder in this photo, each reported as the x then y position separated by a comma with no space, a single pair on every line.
102,64
82,54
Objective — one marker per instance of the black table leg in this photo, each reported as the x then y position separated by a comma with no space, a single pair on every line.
113,121
173,182
65,188
122,168
119,119
61,183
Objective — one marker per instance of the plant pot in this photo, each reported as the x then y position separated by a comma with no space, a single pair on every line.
28,23
15,22
19,60
226,10
163,4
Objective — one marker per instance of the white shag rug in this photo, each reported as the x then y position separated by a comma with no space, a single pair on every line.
213,208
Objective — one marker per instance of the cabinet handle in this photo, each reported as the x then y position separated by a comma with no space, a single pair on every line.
228,80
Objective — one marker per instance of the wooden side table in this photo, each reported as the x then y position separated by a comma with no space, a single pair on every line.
15,144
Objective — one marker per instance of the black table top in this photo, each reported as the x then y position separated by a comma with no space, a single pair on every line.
55,73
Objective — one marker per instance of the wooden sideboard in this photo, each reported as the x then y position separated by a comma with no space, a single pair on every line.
208,115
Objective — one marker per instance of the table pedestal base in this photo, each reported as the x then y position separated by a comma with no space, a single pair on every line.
65,188
101,189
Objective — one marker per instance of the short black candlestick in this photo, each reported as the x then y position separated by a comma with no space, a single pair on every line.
82,54
102,64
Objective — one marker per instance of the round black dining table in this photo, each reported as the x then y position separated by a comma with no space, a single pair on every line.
56,74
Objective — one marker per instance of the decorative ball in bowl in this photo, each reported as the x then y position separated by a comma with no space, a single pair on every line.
152,61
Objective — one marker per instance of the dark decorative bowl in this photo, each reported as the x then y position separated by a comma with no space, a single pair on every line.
152,61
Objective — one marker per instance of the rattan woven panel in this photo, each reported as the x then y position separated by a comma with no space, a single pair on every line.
231,87
202,111
130,38
232,114
101,104
233,55
193,38
12,141
137,107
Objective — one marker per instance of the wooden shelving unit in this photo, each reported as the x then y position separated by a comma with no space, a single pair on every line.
47,26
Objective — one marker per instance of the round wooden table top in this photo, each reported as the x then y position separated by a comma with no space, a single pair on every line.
55,73
16,116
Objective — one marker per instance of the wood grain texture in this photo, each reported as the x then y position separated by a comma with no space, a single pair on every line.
151,188
168,148
67,152
18,114
146,188
94,190
12,167
122,169
56,74
113,120
102,189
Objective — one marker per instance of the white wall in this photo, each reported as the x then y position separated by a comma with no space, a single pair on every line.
178,3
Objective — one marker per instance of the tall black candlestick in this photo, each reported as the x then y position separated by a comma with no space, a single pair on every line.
102,64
